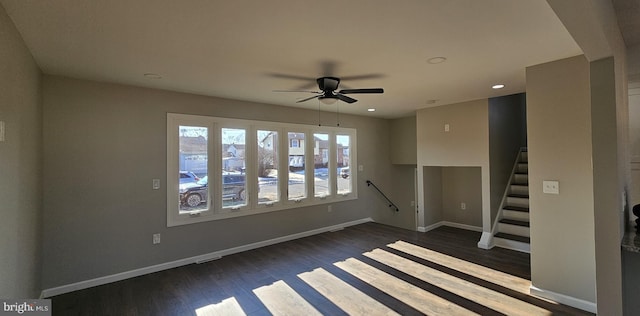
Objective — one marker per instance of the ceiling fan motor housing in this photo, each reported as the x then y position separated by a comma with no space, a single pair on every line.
328,83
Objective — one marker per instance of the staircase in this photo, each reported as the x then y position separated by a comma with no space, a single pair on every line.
512,227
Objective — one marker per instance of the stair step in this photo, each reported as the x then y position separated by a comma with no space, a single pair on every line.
514,222
519,189
517,201
524,156
516,208
518,195
514,237
522,167
520,179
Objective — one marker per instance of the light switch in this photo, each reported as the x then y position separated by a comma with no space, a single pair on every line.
156,184
446,127
550,187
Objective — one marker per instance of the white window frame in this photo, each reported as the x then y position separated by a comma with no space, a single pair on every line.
216,210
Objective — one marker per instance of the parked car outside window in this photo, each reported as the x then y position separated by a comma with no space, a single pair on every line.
345,172
193,194
188,177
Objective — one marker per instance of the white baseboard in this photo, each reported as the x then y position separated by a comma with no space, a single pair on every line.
201,258
424,229
564,299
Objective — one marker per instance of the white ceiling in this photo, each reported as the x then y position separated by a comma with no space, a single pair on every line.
237,49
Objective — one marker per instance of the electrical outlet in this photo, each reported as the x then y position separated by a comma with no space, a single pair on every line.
156,238
446,127
550,187
463,206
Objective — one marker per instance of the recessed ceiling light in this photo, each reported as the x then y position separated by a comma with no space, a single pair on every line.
497,86
371,110
152,76
436,60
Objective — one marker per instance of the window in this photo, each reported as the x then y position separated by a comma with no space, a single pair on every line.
344,164
321,165
234,184
192,156
268,190
297,189
220,168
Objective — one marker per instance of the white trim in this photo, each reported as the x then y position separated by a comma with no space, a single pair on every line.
450,224
196,259
564,299
486,241
216,210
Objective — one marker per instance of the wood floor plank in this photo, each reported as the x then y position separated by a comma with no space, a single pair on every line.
481,295
229,285
348,298
419,299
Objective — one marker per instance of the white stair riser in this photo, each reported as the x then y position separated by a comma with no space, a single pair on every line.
515,201
522,168
519,189
521,178
512,244
519,216
513,229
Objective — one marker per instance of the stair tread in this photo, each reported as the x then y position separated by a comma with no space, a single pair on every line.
514,222
516,208
516,195
513,237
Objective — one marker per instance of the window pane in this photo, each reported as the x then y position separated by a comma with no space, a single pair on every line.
267,166
234,186
297,188
193,156
321,164
344,164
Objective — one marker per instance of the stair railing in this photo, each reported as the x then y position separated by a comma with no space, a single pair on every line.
391,204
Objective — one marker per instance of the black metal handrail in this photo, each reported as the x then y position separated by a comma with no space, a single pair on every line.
391,204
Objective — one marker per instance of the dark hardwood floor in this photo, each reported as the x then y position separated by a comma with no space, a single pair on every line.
365,269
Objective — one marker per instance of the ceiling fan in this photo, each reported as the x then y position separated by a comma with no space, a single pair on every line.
328,93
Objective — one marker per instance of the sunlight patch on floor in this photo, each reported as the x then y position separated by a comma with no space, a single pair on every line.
351,300
409,294
229,306
471,291
281,299
496,277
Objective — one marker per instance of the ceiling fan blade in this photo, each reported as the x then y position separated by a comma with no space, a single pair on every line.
304,91
309,98
362,77
286,76
368,90
345,98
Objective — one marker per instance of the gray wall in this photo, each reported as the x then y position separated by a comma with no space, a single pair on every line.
403,141
402,192
432,194
103,143
560,148
507,134
462,185
466,144
20,166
